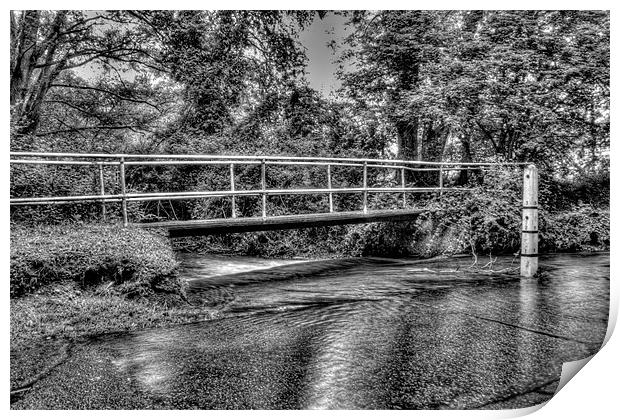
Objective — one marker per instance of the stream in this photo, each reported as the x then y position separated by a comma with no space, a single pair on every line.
359,333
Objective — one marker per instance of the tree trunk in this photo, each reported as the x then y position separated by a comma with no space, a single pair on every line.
466,158
33,67
23,53
407,132
408,145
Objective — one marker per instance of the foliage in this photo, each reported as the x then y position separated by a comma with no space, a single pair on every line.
228,61
567,194
484,219
583,229
134,261
508,85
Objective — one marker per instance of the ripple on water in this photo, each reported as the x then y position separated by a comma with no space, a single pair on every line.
367,333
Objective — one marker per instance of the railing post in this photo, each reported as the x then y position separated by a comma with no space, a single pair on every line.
329,186
263,187
232,188
440,180
123,192
365,187
529,232
402,183
102,192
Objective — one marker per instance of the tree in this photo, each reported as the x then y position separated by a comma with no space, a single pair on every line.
389,51
45,45
230,63
517,86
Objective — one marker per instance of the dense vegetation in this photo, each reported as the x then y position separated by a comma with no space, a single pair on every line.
131,262
430,85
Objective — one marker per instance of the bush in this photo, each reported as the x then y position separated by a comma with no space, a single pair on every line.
562,194
135,261
378,239
582,229
487,219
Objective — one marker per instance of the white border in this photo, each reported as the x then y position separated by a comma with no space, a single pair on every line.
593,393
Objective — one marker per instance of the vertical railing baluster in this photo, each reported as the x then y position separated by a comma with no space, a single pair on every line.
440,180
123,192
232,188
329,187
264,187
402,182
102,192
365,187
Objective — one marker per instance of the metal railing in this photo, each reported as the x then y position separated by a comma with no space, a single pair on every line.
123,161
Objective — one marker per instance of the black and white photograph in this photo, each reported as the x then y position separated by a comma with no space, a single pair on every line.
216,209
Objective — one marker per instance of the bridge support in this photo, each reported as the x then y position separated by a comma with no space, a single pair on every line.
102,191
529,231
123,191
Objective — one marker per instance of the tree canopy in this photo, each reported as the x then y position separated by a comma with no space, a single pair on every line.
508,85
427,85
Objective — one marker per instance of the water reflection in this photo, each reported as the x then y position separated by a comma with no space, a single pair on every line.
371,334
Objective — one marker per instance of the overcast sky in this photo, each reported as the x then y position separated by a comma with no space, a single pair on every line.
321,67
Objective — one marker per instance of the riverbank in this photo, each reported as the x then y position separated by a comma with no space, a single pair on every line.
71,283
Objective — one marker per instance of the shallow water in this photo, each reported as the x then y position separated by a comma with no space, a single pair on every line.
360,333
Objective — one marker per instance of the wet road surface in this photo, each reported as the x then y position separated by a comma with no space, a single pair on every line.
349,334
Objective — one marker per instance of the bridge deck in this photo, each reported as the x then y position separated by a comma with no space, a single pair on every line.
252,224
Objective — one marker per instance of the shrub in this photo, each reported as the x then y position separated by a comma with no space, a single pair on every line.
134,260
582,229
379,239
486,218
563,194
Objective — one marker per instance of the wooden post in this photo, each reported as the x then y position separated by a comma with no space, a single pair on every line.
264,188
365,187
329,186
102,191
232,188
529,232
402,183
123,192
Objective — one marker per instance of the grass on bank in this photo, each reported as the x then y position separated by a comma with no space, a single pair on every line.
75,281
88,256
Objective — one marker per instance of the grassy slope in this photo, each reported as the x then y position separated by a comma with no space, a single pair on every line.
72,283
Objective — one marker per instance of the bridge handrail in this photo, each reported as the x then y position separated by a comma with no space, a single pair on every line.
247,159
221,193
124,160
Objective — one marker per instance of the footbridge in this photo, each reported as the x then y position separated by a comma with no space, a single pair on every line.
267,178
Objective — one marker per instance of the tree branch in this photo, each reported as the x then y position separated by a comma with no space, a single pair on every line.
70,105
487,134
96,127
116,95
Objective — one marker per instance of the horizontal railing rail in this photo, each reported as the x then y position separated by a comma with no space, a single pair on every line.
122,161
258,159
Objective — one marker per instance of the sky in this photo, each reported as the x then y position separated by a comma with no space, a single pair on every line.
321,68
